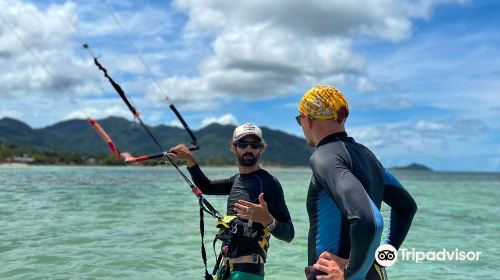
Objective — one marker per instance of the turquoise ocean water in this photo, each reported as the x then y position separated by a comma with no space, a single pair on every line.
142,223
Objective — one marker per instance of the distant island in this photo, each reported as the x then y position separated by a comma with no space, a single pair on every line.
413,167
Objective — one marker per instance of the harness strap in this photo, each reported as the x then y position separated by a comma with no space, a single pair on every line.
202,233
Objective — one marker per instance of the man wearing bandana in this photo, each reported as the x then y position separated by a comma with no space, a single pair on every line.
346,191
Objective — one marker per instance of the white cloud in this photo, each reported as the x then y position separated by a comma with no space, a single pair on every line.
49,39
119,64
9,114
47,30
99,113
385,103
430,126
227,119
387,18
439,143
364,85
263,48
175,123
413,134
423,139
185,93
447,68
139,20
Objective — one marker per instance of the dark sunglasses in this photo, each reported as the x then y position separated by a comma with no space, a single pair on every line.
299,118
244,144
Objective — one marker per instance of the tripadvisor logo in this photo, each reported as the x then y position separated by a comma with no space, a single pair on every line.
386,255
441,255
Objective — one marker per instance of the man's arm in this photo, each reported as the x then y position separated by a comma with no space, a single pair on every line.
403,209
207,186
365,220
275,198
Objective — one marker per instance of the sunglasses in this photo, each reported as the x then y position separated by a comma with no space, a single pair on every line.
244,144
299,118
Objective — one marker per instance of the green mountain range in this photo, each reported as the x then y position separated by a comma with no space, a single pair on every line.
77,136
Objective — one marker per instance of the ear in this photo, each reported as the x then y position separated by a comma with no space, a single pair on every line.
263,148
309,122
233,148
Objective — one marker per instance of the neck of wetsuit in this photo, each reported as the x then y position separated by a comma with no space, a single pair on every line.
332,137
250,174
249,169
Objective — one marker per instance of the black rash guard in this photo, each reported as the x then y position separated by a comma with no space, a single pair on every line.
248,187
343,202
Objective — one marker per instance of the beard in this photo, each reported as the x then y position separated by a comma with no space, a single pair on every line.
250,159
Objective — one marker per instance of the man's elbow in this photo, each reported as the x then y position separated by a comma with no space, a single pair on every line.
371,225
286,235
291,235
412,208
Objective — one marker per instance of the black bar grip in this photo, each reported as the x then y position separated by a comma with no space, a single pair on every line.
186,127
117,87
194,147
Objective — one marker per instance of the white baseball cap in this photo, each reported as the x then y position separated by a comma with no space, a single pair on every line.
247,129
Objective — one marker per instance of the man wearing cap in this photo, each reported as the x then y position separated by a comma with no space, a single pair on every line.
345,194
255,197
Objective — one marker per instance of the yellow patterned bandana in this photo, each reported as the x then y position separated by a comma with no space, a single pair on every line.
324,102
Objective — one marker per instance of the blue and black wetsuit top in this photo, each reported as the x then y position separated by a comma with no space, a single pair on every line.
248,187
347,188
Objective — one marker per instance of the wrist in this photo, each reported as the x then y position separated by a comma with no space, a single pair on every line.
271,224
191,162
347,268
268,220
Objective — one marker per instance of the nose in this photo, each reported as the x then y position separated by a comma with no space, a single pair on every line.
248,147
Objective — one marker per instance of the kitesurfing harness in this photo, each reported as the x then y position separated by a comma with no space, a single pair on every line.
239,238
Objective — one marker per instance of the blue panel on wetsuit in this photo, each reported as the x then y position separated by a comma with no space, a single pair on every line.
368,262
329,223
389,179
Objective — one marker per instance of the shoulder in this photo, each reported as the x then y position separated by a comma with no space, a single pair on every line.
390,179
268,178
273,191
329,155
352,144
264,174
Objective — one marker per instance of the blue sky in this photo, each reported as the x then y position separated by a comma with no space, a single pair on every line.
421,77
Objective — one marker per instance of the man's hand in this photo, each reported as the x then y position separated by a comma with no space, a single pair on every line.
332,265
254,212
182,152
